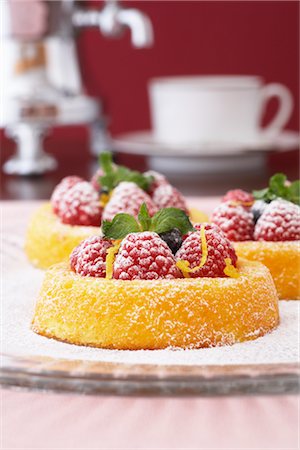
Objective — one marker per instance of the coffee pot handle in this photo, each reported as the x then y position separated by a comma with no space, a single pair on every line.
285,108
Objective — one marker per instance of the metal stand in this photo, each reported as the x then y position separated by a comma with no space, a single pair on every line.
30,158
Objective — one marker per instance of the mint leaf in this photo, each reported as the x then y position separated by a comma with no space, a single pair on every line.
261,194
144,218
114,174
294,192
121,225
168,218
277,185
106,162
278,188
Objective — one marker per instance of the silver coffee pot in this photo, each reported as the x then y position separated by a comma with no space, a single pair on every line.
40,78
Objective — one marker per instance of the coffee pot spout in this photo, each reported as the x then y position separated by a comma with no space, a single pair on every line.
113,19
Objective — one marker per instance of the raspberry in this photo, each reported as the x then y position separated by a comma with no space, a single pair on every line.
236,222
158,180
218,249
95,180
60,190
127,198
167,196
88,259
280,221
80,206
145,256
239,197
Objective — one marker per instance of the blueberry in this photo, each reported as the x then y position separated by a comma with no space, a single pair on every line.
173,239
104,190
257,209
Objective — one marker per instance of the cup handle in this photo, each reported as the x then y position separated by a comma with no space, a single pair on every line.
285,108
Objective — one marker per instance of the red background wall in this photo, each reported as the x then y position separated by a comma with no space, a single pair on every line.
192,37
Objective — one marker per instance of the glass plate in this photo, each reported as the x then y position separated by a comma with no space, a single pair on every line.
87,377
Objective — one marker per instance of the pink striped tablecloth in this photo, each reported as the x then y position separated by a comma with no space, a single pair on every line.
32,420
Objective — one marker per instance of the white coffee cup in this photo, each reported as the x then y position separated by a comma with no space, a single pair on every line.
205,109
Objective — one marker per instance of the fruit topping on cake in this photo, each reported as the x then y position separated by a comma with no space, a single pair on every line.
280,221
167,196
257,209
145,256
158,179
127,197
173,239
271,214
235,221
164,246
89,258
113,189
238,197
206,252
80,205
61,189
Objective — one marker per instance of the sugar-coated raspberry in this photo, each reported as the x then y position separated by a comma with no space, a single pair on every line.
95,180
89,258
167,196
158,180
236,222
145,256
80,205
208,226
218,249
280,221
60,190
127,197
237,196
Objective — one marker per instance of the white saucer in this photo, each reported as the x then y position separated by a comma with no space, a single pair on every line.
205,157
144,143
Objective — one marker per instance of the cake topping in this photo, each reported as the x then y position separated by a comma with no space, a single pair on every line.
280,187
158,179
280,221
167,196
257,209
114,174
236,222
173,239
145,256
89,257
135,249
110,259
163,221
95,180
230,270
127,197
238,197
204,253
274,215
60,190
80,205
